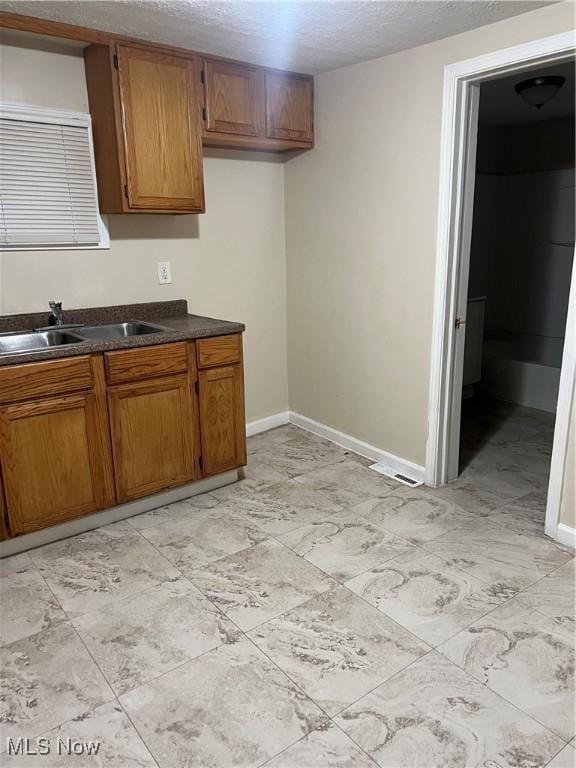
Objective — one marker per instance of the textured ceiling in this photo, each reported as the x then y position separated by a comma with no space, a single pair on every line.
305,35
499,102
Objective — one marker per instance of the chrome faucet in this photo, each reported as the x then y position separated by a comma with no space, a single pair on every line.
56,316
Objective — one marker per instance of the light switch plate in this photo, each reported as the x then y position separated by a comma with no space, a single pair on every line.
164,272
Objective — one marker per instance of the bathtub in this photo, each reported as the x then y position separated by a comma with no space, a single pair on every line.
523,369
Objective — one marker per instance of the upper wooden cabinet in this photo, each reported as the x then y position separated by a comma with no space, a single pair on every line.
246,107
153,109
233,98
289,112
146,128
161,136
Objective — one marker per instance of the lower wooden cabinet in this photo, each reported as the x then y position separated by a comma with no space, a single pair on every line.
222,422
55,461
152,435
126,425
3,512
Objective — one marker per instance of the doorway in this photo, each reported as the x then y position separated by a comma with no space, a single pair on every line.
468,87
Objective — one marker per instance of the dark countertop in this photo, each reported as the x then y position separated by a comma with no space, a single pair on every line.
172,315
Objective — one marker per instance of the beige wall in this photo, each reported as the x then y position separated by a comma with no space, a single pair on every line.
361,212
568,505
229,262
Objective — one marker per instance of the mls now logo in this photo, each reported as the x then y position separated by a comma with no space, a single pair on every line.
45,746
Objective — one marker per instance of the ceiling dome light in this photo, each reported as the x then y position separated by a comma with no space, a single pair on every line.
537,91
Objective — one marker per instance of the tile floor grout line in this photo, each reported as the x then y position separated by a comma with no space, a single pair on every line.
187,661
71,625
335,584
557,753
331,717
431,647
504,699
141,514
383,682
140,736
481,578
373,760
167,671
412,548
297,685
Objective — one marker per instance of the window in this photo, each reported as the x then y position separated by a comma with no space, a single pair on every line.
48,195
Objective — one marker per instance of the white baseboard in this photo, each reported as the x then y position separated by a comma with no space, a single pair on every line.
566,535
403,466
268,422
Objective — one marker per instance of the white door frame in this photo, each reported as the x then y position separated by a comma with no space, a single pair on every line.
453,255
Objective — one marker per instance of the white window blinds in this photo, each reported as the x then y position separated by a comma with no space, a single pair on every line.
47,182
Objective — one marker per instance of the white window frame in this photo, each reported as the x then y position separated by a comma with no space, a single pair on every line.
58,117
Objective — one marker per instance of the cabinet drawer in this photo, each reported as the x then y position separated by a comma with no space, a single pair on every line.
46,379
145,362
220,350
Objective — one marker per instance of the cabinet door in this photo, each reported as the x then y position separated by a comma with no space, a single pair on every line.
222,423
234,96
56,460
289,107
152,435
3,516
161,131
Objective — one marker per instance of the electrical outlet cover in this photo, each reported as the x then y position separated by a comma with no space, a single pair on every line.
164,272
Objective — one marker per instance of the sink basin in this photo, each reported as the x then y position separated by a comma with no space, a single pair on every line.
118,330
33,341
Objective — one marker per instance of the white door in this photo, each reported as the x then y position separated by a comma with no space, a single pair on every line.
464,237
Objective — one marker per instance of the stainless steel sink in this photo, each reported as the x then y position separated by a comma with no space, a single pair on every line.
33,341
118,330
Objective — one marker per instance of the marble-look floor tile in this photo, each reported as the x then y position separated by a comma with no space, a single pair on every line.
525,657
566,758
282,507
543,439
554,595
468,496
344,544
503,482
523,515
257,584
336,647
206,536
145,635
501,424
433,714
103,738
505,474
171,513
426,595
414,514
19,562
521,457
266,440
256,474
348,483
232,707
28,605
88,571
45,680
502,558
327,747
299,454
